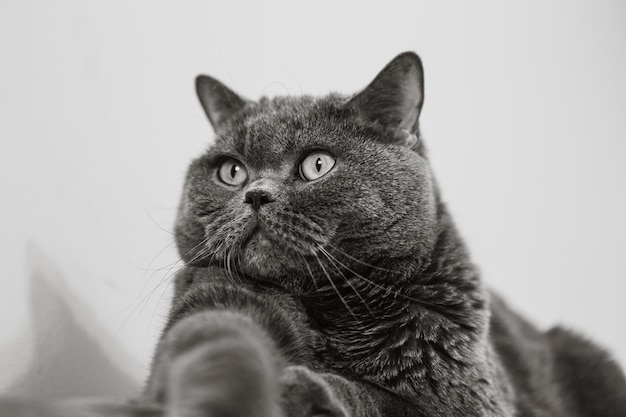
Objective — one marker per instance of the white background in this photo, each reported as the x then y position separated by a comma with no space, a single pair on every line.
525,119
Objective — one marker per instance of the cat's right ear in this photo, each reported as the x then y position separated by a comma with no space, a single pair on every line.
394,99
218,101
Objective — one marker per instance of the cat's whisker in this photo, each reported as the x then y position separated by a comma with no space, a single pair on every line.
236,262
229,270
332,283
214,254
201,253
172,269
140,304
232,262
282,85
300,86
336,249
203,242
308,267
141,301
229,260
167,267
238,265
157,224
347,280
369,281
159,253
168,282
153,270
420,302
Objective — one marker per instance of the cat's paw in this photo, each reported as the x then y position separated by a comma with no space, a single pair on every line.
216,364
306,393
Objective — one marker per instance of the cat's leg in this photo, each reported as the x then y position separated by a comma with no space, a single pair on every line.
217,363
221,363
307,393
229,348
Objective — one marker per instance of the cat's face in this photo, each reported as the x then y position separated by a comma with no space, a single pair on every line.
296,190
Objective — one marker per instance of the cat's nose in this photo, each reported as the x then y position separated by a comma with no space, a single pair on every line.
257,198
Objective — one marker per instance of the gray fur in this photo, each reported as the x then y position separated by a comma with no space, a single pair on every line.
359,279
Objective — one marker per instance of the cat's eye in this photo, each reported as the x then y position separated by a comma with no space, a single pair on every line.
232,172
316,165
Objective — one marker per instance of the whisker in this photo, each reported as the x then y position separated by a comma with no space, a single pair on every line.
363,262
144,300
229,271
157,224
158,303
237,265
335,287
201,253
141,301
389,290
171,273
172,269
215,252
347,280
145,271
280,84
310,272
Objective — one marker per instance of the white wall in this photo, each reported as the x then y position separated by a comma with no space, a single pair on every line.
525,117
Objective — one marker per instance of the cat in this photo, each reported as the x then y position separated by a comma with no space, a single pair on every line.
324,276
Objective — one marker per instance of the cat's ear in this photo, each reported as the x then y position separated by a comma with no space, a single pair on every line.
219,102
394,99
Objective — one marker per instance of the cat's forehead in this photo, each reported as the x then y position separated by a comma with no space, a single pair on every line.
274,129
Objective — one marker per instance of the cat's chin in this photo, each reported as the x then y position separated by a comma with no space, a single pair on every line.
261,257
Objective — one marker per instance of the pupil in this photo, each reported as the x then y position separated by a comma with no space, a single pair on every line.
318,164
233,170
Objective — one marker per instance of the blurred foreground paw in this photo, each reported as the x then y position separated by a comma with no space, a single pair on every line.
217,364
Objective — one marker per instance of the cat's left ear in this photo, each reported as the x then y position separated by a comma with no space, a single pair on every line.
219,102
394,99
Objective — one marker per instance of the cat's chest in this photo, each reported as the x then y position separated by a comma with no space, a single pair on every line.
409,352
364,339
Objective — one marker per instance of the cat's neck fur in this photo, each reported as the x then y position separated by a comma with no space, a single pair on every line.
438,328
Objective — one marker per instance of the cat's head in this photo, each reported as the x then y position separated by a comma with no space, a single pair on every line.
294,190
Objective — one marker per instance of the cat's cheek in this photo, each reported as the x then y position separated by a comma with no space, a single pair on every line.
419,233
190,234
429,199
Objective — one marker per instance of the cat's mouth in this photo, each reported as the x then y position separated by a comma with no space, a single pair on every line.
259,234
262,251
250,231
256,237
271,244
255,234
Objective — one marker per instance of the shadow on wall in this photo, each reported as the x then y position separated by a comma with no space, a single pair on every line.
66,360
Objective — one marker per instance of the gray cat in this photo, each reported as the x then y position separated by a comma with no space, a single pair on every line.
325,277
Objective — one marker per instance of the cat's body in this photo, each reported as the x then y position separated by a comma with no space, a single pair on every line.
521,371
325,277
317,242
